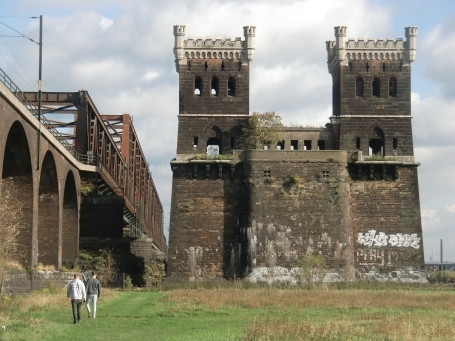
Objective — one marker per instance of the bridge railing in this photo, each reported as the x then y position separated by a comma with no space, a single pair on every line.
21,96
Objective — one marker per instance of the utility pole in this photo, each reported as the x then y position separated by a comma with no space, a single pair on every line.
40,86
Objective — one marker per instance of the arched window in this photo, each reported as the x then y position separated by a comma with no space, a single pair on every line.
215,86
376,87
393,87
359,87
198,86
376,142
231,86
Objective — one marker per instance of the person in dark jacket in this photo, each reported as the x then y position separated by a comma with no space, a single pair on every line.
93,293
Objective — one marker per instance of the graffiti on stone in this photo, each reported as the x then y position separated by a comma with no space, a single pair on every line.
371,238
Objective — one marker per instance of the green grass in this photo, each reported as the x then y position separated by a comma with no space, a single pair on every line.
235,313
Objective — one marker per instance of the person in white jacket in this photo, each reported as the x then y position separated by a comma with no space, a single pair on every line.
76,293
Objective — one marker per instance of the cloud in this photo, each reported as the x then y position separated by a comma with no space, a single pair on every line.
450,208
430,220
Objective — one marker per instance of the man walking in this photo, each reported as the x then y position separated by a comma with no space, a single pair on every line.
76,293
93,293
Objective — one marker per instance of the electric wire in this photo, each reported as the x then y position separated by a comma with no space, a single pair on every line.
33,86
6,60
12,16
23,35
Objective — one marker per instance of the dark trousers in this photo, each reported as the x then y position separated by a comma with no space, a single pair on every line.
76,305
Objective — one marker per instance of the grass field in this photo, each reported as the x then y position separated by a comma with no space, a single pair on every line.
238,313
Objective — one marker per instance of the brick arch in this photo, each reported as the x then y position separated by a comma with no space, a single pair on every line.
48,212
70,221
17,188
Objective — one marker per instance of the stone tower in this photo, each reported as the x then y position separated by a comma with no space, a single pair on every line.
372,115
213,102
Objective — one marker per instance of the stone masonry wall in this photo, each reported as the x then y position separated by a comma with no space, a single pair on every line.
206,103
387,226
203,226
297,207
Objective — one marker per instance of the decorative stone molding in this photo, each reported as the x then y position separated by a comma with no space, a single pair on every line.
217,48
343,51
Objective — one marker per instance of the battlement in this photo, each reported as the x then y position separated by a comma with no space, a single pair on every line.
210,48
389,49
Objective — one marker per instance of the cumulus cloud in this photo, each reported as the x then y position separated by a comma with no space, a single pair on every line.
450,208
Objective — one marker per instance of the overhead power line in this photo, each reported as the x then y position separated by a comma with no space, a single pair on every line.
32,87
23,35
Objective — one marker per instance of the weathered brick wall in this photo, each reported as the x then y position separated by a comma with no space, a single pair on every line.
20,283
48,214
202,127
385,105
70,226
203,226
382,209
101,217
399,128
298,206
206,103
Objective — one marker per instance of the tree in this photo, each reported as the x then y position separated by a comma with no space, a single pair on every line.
262,129
308,265
10,225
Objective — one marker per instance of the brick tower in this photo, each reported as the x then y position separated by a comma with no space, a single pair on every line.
213,102
372,115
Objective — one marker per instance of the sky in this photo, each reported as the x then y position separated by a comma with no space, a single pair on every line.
122,53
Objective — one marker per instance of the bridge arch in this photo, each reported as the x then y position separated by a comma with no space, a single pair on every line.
17,182
48,213
70,221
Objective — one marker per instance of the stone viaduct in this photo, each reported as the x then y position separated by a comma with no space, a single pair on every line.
43,170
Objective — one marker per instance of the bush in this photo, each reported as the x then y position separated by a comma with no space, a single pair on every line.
154,273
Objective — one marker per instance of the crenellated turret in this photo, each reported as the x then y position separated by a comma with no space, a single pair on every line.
249,32
411,41
340,34
342,51
218,48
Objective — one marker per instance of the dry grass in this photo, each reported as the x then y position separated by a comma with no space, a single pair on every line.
371,327
267,297
39,301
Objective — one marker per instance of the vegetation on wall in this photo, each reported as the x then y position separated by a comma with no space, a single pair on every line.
309,266
10,225
86,188
262,129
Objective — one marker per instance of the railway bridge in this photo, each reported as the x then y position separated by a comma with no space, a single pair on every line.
74,173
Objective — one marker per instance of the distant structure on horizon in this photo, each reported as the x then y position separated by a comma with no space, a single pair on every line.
348,191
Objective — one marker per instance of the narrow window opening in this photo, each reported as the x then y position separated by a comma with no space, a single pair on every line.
383,67
189,66
307,144
232,142
401,66
357,142
321,144
395,143
376,87
214,90
198,86
393,87
206,66
267,174
367,67
376,147
195,141
390,173
231,86
350,67
359,87
280,145
240,66
294,144
325,174
222,66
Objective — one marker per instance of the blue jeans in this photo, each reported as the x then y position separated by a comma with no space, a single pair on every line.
93,299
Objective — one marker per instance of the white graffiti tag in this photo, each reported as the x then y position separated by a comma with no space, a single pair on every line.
370,238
